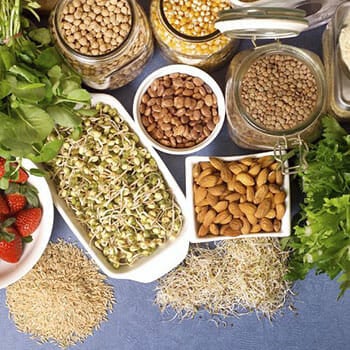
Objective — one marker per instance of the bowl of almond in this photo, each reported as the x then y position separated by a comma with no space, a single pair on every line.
237,197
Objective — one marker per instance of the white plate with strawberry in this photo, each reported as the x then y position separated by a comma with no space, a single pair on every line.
26,221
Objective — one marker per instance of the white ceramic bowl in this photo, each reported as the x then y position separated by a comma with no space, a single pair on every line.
266,3
10,273
165,257
193,71
190,162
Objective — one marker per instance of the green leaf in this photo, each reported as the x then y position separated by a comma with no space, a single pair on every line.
24,73
30,92
64,116
47,152
7,57
79,95
38,172
36,119
40,35
48,58
5,89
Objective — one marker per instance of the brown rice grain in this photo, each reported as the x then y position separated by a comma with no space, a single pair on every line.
64,298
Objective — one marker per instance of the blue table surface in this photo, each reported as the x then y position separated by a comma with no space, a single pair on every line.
136,323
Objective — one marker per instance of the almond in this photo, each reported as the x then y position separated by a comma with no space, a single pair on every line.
246,226
280,210
233,197
226,174
279,177
279,197
216,163
271,214
220,206
275,166
203,231
263,208
273,188
266,225
198,209
239,187
248,161
247,208
236,225
208,181
217,190
255,228
254,171
209,217
245,179
199,194
271,178
237,168
261,193
266,161
226,230
214,229
262,177
212,200
277,225
231,184
234,209
243,198
206,165
204,173
201,215
252,219
250,194
223,218
196,170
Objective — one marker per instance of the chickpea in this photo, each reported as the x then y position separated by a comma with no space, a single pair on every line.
96,18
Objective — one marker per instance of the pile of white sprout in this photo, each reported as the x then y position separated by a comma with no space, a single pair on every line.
234,278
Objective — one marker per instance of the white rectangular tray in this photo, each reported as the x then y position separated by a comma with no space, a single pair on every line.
190,161
167,256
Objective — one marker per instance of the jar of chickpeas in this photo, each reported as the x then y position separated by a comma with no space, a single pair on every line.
107,42
275,93
186,34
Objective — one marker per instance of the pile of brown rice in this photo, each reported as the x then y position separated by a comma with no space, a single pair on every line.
64,298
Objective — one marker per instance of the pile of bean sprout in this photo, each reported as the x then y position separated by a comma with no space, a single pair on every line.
115,189
234,278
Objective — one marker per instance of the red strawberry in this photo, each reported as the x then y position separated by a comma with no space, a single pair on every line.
11,245
16,202
4,208
2,218
27,221
21,176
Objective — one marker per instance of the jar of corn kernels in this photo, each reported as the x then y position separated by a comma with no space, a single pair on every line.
107,42
186,34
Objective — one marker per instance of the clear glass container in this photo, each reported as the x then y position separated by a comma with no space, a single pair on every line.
337,74
208,52
115,68
243,129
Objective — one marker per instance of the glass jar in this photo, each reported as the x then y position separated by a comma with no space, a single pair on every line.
208,52
112,69
337,73
245,130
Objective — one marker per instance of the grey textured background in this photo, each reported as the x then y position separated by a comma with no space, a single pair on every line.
320,322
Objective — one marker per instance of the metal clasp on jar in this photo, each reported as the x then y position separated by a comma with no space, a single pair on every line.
299,146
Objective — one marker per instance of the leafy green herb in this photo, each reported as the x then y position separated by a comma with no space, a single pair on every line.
321,240
38,91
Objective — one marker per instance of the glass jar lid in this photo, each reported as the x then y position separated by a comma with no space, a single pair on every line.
261,22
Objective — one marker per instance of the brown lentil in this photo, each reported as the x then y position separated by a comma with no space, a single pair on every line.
279,92
193,17
96,28
177,119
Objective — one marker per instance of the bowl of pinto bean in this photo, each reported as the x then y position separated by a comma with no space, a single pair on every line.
179,108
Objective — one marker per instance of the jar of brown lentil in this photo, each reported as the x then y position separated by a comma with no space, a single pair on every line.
107,42
275,93
186,34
